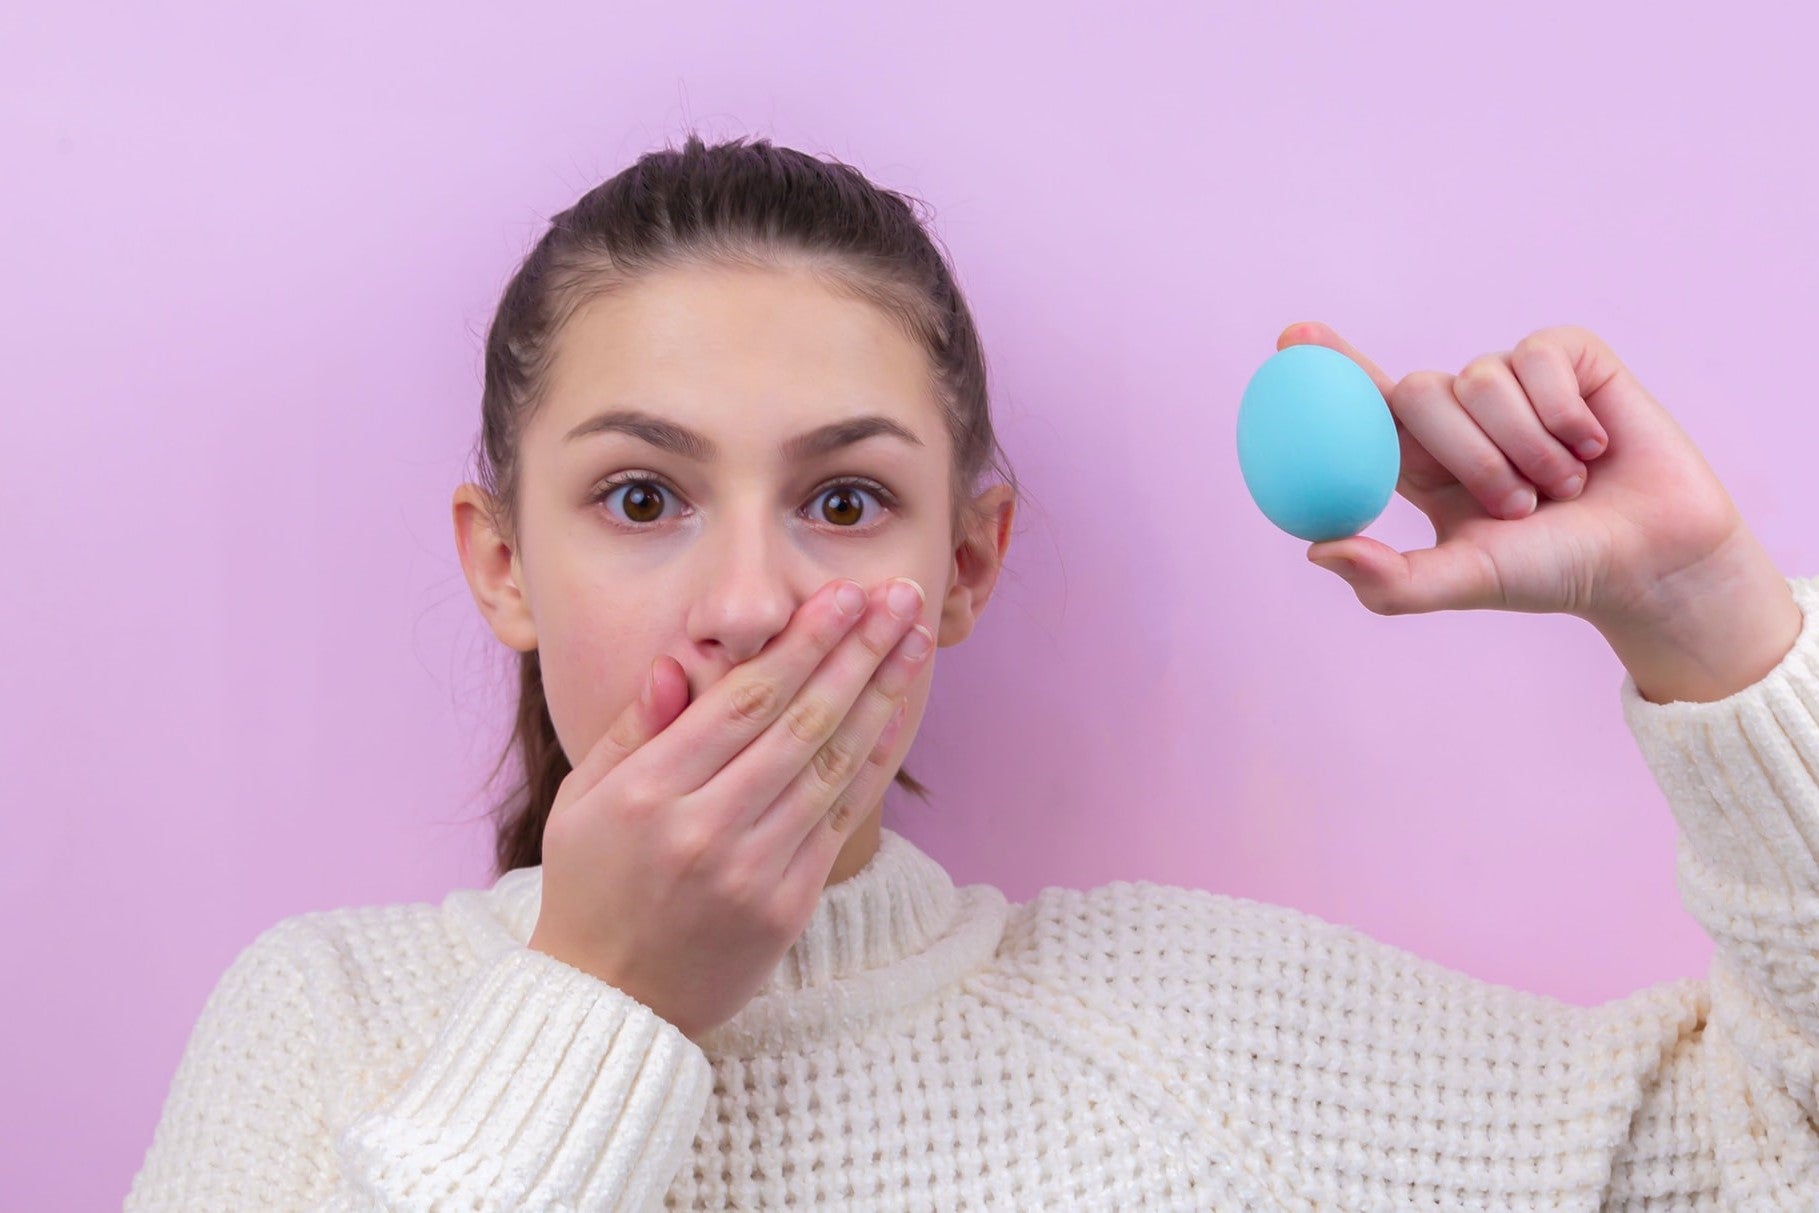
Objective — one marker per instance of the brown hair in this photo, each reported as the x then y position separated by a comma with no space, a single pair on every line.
732,203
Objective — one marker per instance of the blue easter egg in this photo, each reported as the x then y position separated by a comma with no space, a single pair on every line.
1317,444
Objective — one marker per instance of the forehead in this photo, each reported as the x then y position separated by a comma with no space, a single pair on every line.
738,351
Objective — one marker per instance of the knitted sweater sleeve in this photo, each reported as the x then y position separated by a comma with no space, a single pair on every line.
545,1089
1354,1074
1741,776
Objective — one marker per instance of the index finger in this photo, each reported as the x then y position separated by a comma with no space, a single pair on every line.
725,718
1312,332
817,626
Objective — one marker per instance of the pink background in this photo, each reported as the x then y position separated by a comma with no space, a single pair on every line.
250,256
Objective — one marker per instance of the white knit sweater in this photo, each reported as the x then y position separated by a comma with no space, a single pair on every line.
1133,1046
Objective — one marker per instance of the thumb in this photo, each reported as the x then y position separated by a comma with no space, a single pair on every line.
1341,561
1451,576
662,699
1334,564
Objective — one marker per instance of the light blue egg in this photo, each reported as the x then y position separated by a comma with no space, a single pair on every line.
1317,444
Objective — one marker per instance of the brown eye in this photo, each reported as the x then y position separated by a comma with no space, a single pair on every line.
846,510
642,497
843,503
643,500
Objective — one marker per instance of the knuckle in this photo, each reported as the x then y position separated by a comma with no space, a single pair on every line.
1480,373
637,793
1491,470
834,762
1533,347
752,701
810,719
691,845
737,884
840,814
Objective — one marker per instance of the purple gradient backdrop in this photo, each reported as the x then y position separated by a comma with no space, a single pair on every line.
252,254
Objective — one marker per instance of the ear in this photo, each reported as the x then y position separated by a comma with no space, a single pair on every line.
492,569
976,562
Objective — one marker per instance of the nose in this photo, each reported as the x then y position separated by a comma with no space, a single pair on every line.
752,579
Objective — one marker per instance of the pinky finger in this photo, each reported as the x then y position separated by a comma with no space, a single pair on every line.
1545,374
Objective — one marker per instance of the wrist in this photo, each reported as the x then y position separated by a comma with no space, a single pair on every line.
1711,635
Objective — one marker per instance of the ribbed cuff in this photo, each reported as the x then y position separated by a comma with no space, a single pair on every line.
1742,773
545,1089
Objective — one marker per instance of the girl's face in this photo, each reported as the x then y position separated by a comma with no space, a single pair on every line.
682,491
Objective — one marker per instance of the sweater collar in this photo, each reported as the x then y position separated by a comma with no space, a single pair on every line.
894,907
891,935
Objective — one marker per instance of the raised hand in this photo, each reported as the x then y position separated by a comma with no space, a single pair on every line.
1555,483
688,850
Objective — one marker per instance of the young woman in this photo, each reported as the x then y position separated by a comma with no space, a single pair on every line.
734,426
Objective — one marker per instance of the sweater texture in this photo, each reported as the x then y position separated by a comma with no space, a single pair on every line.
927,1046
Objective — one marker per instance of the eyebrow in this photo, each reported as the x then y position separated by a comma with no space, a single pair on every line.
691,444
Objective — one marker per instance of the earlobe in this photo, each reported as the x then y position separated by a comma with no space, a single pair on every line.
977,562
494,574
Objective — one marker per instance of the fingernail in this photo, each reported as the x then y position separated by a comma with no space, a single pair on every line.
917,644
850,598
1520,502
904,598
1589,448
650,685
1571,486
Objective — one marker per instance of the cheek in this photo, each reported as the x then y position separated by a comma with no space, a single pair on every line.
593,655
